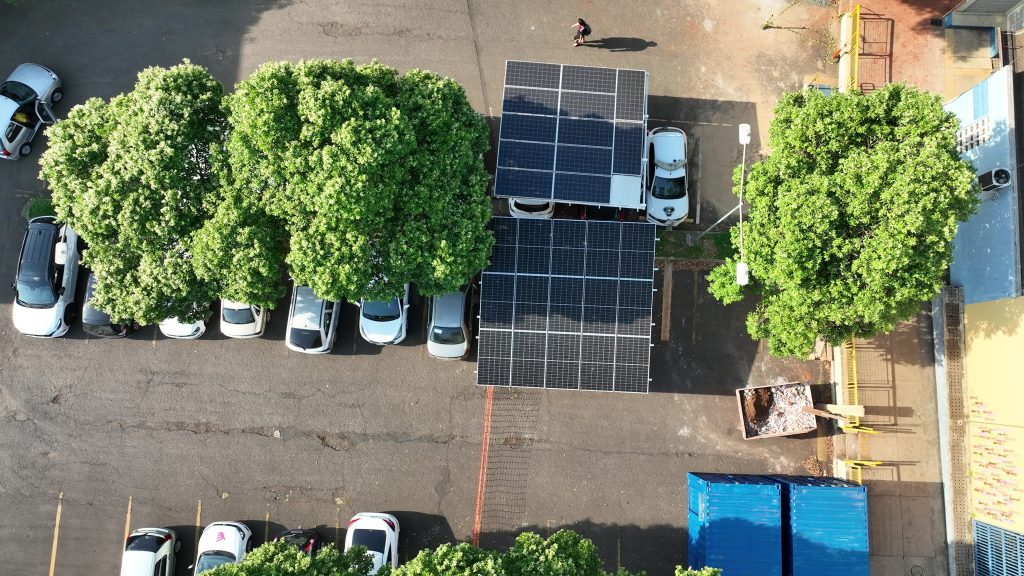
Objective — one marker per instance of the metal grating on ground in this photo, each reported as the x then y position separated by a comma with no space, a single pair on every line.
962,537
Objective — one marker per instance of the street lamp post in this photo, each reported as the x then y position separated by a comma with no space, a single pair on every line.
742,271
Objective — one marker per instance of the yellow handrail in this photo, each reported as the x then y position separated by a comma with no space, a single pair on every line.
855,49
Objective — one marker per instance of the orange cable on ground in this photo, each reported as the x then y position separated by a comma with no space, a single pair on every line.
481,482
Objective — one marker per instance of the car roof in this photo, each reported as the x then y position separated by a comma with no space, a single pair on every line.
448,309
90,314
38,249
307,312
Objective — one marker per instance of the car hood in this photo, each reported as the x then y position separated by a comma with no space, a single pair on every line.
35,321
680,207
172,328
669,155
383,332
34,76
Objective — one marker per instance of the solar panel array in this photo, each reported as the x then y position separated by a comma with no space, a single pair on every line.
565,130
567,304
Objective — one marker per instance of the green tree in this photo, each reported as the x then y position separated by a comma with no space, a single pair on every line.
680,571
277,558
851,216
133,177
453,560
377,176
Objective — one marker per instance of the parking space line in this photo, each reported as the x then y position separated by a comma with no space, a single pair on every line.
337,527
154,340
666,300
266,524
199,516
56,533
127,522
481,482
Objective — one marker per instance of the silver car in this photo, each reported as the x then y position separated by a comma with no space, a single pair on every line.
447,334
26,106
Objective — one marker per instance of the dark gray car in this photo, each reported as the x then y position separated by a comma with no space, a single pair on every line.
96,321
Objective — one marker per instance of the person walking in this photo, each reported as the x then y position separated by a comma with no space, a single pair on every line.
582,30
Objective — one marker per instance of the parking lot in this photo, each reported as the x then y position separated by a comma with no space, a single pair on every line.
100,436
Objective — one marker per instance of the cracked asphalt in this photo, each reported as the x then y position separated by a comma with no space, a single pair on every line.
217,429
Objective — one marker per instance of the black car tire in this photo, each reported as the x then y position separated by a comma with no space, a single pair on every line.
25,149
70,315
57,96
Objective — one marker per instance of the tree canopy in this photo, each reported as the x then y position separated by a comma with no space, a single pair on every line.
377,176
133,177
851,216
278,558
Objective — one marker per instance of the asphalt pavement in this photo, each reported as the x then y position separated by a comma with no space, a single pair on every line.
97,436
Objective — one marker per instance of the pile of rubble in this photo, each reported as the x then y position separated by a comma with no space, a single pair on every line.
777,410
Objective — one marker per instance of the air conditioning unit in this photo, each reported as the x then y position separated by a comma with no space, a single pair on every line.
994,179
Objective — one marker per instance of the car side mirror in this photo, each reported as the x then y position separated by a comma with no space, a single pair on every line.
14,286
60,254
61,292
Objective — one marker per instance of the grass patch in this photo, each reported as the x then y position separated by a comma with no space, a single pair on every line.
714,246
39,207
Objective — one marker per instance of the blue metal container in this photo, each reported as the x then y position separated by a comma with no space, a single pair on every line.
735,524
825,524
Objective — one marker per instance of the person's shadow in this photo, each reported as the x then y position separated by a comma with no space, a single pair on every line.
620,44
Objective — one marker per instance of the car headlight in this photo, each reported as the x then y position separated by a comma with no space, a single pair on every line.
669,210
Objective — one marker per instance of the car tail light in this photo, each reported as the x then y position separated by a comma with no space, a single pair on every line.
353,521
389,523
5,152
167,537
309,546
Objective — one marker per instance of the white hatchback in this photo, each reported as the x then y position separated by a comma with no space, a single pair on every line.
384,321
667,201
178,330
44,286
150,552
222,543
240,320
378,533
26,106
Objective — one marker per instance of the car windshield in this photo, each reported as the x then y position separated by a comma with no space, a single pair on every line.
238,316
17,91
212,559
665,189
145,543
382,311
305,339
36,293
445,335
372,540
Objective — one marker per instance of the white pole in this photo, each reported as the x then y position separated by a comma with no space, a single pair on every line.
742,271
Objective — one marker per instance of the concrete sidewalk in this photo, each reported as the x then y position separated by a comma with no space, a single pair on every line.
896,383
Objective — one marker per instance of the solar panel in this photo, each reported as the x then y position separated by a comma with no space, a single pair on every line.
566,304
566,130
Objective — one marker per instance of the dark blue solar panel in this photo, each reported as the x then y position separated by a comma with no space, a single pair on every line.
634,322
598,348
565,318
583,188
503,259
522,183
504,230
603,263
567,291
636,236
532,74
567,261
493,372
599,320
530,101
533,260
587,105
497,344
497,287
528,373
530,128
497,315
564,347
635,294
631,378
532,289
604,235
636,265
530,317
596,377
632,351
584,159
588,78
529,346
585,132
570,234
529,155
629,147
597,292
535,232
629,99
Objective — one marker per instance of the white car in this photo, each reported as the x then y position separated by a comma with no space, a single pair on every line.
378,533
447,333
222,543
174,328
150,552
530,208
26,106
44,286
384,321
239,320
667,202
312,322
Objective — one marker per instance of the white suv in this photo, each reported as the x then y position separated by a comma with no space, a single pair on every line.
44,287
312,322
150,552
